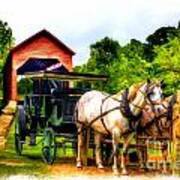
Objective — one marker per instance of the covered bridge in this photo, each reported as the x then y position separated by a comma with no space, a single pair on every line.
42,51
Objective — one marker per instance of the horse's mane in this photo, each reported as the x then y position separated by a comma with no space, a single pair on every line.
131,92
115,96
135,87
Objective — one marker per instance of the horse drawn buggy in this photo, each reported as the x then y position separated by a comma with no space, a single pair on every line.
57,109
48,110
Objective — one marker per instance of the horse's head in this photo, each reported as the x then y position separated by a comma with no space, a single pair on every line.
152,91
142,93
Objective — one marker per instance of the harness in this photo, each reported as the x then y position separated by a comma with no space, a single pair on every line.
167,114
102,114
124,109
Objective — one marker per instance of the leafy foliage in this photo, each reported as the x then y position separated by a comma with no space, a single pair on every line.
167,63
102,54
6,42
158,58
160,37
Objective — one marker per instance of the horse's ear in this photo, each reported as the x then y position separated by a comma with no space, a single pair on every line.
163,85
148,81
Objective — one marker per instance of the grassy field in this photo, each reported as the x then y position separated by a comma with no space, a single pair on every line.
29,163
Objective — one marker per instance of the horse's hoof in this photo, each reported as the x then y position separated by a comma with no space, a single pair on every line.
145,169
79,165
164,171
124,172
100,166
116,172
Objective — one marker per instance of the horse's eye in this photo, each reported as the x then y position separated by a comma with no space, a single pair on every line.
150,93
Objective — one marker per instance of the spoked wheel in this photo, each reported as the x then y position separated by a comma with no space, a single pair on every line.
18,145
20,130
49,146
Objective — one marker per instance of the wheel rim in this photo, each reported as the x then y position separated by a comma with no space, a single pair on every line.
49,154
20,129
18,145
49,146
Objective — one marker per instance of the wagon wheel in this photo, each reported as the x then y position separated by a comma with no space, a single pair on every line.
49,146
20,129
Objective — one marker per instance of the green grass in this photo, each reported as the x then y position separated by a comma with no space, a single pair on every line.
30,163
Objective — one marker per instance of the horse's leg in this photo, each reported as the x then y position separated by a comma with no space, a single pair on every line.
124,152
165,154
80,147
143,156
115,142
97,140
86,146
140,153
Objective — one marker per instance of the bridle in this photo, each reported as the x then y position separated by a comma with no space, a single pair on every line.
156,120
146,96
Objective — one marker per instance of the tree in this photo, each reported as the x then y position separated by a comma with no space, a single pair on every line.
136,61
163,35
167,63
6,42
134,48
102,54
160,37
129,69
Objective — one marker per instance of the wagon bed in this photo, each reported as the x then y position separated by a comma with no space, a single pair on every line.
48,111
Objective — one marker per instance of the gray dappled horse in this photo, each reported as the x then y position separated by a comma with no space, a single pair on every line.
103,114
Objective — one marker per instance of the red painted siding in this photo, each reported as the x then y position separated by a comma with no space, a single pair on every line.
40,47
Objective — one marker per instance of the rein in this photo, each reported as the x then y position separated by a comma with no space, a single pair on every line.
124,109
102,114
102,119
156,118
105,113
167,114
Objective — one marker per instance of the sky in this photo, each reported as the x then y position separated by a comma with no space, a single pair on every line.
79,23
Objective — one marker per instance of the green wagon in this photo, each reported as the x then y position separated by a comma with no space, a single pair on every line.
48,110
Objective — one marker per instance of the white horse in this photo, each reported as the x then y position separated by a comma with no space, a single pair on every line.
104,115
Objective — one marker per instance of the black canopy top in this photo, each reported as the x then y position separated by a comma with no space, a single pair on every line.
65,76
